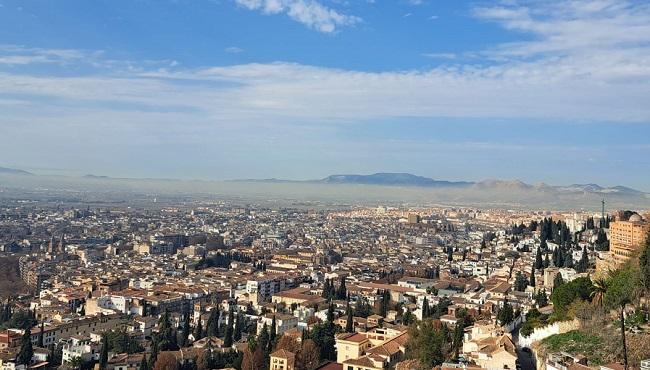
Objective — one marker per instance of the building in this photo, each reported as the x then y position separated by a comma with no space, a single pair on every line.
282,360
626,237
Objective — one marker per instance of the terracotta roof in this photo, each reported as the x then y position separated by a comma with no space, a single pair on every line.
283,353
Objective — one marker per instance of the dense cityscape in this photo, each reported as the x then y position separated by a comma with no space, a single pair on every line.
212,285
324,184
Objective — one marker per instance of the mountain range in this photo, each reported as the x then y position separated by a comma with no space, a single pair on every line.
410,180
348,188
14,171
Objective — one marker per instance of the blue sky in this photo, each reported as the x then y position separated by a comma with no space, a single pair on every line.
554,92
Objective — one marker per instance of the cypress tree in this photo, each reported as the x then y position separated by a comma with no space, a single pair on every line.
349,322
238,326
539,263
532,276
198,330
143,363
26,350
227,341
272,331
40,336
103,357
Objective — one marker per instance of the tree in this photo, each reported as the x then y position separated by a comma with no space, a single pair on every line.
287,343
260,359
166,337
166,361
644,264
239,325
541,299
342,292
103,357
41,333
583,264
506,314
623,288
143,364
521,283
263,344
26,350
272,333
567,293
247,360
309,356
426,309
349,321
532,281
185,330
212,326
427,344
198,330
227,341
539,263
557,281
598,292
547,261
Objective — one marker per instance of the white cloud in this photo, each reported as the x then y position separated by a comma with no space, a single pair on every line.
564,73
311,13
234,50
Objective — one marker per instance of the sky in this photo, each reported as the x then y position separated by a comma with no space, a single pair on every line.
541,91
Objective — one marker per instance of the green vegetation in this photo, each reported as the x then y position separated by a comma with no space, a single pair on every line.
565,294
576,341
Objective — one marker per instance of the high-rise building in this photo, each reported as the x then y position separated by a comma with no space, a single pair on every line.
414,218
626,237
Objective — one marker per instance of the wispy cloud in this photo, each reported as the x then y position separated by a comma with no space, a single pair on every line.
234,50
564,73
311,13
17,55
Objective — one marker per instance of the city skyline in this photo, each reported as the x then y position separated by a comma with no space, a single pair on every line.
304,89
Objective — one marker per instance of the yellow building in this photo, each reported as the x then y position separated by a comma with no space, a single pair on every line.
626,237
282,360
351,346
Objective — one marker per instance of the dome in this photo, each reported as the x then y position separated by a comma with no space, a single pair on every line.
635,218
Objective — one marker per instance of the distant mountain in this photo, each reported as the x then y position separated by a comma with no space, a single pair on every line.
407,179
394,179
14,171
597,189
91,176
503,184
